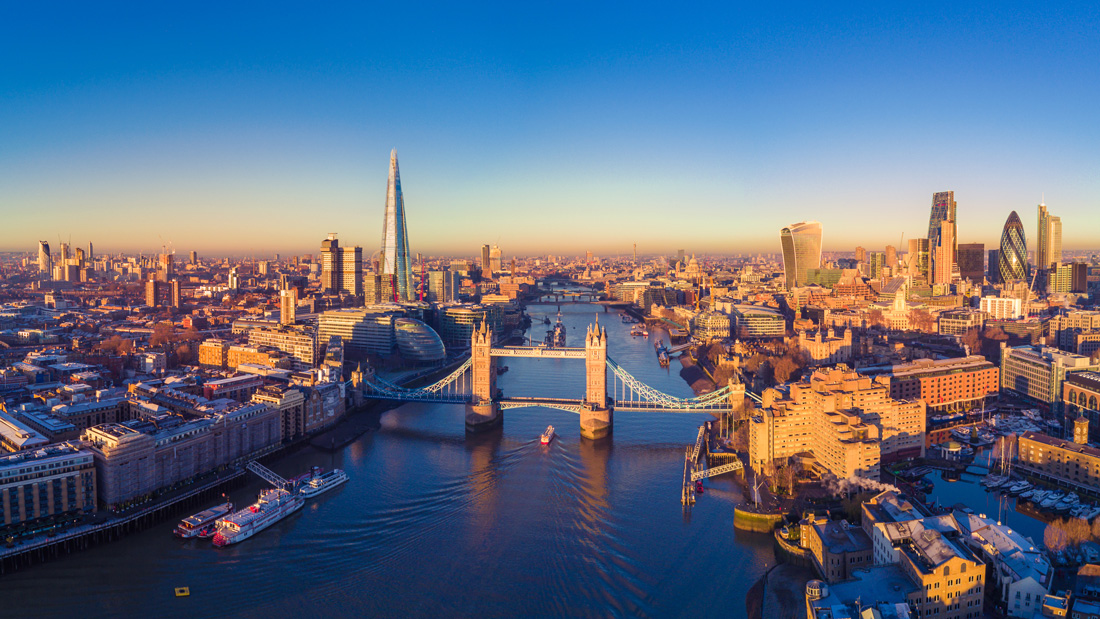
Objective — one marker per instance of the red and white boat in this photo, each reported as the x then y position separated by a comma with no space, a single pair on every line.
194,526
548,435
273,506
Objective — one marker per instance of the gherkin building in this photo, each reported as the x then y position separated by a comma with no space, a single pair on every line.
1013,261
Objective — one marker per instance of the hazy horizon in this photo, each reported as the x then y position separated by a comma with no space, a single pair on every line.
523,126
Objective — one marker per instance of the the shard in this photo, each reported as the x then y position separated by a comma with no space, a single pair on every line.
395,259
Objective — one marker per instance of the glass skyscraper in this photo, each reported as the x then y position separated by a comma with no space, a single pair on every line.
1012,262
801,251
943,209
395,256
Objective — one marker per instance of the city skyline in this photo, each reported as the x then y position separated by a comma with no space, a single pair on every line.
756,120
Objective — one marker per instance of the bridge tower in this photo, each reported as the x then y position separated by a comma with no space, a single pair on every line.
483,412
596,413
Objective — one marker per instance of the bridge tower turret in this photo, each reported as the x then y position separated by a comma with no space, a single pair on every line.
596,412
483,412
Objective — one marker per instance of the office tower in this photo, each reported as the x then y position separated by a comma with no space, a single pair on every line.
942,261
80,257
861,254
440,287
288,305
680,257
331,265
1012,262
1044,239
45,260
892,257
801,244
943,209
64,253
351,280
972,261
372,289
876,264
919,259
993,268
485,261
91,255
234,279
395,237
495,265
194,257
588,257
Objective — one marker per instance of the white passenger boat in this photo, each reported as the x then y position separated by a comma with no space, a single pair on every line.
273,506
547,436
193,526
320,482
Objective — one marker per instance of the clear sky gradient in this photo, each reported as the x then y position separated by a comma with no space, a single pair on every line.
545,127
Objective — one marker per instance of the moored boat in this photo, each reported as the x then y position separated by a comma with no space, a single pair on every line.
193,526
320,483
272,506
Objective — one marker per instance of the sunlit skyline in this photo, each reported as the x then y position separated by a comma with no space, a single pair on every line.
542,131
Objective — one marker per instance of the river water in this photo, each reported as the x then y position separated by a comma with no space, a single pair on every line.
437,523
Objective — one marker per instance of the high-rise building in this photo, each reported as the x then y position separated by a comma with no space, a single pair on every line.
680,257
194,257
943,209
395,257
331,265
162,293
919,259
993,267
801,244
943,260
288,305
440,286
495,263
485,261
91,254
165,268
351,280
972,261
45,260
861,254
1012,261
876,262
892,257
1048,248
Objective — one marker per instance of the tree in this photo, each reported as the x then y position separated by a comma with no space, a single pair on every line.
921,320
784,368
875,318
1054,537
973,340
1077,531
163,333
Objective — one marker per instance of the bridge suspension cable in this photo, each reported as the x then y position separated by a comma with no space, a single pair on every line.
708,401
435,391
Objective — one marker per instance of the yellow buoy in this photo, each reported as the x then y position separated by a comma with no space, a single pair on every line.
182,592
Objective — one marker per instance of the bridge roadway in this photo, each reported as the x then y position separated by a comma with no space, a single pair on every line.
630,406
538,351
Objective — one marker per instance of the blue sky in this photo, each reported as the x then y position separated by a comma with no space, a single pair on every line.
544,127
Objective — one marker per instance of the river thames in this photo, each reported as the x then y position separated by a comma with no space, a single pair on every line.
437,523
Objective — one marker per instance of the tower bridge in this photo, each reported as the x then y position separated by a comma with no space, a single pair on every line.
474,385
